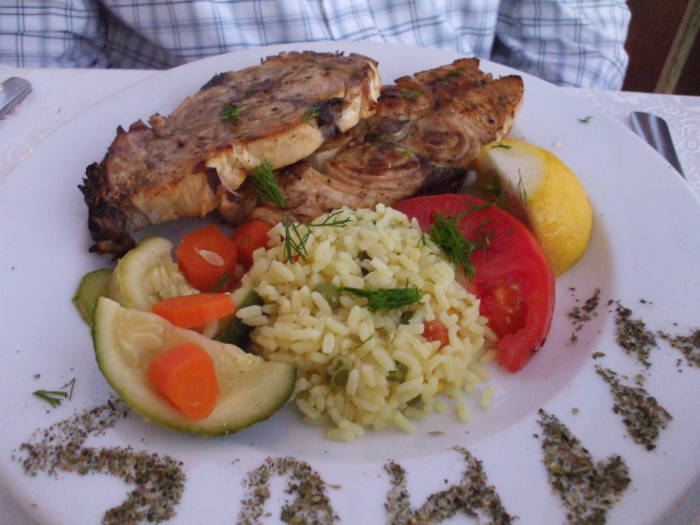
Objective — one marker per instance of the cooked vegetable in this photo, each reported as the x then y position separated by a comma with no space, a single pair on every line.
237,332
512,278
185,375
406,316
338,371
435,330
249,237
189,311
205,257
147,274
398,374
92,286
126,341
329,292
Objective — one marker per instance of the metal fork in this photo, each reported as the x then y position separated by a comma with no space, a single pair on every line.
12,92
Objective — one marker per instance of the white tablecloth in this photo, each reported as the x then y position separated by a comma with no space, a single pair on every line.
59,95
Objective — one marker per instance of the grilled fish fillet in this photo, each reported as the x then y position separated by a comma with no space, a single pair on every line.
427,130
193,161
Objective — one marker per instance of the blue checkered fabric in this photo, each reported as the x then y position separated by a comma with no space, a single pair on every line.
568,42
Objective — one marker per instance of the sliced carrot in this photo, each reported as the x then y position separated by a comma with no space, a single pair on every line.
249,237
186,377
435,330
206,257
188,311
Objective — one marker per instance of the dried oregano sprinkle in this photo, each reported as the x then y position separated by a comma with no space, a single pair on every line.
309,504
642,415
582,314
587,490
470,496
689,345
159,480
632,335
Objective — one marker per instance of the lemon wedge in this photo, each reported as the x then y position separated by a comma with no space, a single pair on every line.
536,186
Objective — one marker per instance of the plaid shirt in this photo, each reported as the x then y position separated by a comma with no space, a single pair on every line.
568,42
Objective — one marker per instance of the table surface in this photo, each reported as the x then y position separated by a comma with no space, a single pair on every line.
60,95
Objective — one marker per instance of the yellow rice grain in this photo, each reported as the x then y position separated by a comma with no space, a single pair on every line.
415,413
462,411
308,410
486,397
365,405
328,343
488,356
378,249
353,382
403,423
339,434
480,371
257,320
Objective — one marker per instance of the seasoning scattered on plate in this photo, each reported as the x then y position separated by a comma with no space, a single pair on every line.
689,345
159,480
587,490
582,314
642,415
632,335
309,505
472,494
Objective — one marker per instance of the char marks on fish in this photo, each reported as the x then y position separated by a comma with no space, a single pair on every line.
193,161
427,130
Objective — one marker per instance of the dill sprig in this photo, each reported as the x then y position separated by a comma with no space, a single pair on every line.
312,113
52,397
458,249
501,145
386,299
230,113
495,188
363,342
294,239
218,285
585,120
263,177
522,192
55,397
297,234
330,220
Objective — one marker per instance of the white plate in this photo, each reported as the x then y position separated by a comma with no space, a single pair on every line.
645,246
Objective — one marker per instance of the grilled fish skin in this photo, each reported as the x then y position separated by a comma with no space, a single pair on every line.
427,130
194,160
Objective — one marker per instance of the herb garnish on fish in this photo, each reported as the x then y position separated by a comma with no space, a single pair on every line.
263,177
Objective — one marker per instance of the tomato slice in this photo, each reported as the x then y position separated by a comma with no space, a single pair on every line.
512,278
248,237
435,330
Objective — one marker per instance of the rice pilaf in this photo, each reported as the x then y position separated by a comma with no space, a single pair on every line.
359,369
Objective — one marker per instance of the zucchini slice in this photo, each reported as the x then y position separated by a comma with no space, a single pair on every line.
92,286
146,274
251,389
